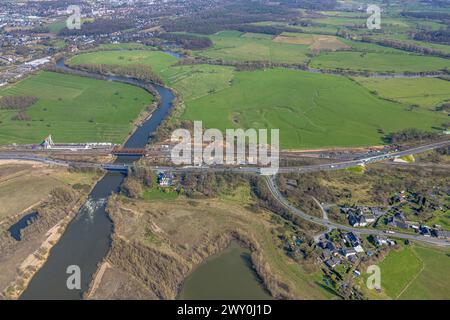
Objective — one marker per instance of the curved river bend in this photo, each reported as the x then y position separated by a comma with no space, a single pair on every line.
87,238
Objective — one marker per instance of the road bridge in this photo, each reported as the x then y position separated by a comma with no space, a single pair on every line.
235,169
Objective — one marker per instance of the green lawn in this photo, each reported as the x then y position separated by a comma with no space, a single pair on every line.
426,92
73,109
434,281
415,272
57,26
159,194
397,270
379,62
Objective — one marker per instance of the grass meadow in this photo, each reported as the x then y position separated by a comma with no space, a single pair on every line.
425,92
233,46
415,272
379,62
433,281
311,110
73,109
191,81
397,270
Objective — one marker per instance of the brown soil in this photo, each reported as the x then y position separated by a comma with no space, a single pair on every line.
158,244
20,260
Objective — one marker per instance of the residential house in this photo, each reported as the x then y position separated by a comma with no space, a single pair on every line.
352,239
397,223
380,241
425,231
331,246
347,252
326,254
333,262
165,179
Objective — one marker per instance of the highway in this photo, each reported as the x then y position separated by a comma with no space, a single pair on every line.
241,169
270,182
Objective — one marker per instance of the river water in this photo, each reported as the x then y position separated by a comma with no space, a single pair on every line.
87,238
225,276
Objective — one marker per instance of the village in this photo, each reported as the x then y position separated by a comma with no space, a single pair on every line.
33,34
407,211
345,254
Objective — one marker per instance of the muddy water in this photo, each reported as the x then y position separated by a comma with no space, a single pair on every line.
227,275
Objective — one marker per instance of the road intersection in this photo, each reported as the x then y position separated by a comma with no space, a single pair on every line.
270,180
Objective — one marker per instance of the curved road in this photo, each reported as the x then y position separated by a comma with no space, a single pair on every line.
329,224
271,182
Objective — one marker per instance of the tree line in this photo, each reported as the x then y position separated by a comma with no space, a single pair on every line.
19,103
406,46
411,134
137,71
99,26
272,30
438,36
433,15
189,42
228,17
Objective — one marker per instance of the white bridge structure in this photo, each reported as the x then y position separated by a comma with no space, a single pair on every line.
48,144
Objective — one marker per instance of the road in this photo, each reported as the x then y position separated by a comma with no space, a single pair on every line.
324,212
242,169
333,225
270,182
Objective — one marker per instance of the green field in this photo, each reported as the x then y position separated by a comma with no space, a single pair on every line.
236,46
397,270
415,272
122,46
73,109
425,92
434,281
159,60
311,110
159,194
379,62
190,81
57,26
197,81
233,46
405,38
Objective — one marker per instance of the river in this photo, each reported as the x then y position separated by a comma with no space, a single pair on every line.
87,238
227,275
